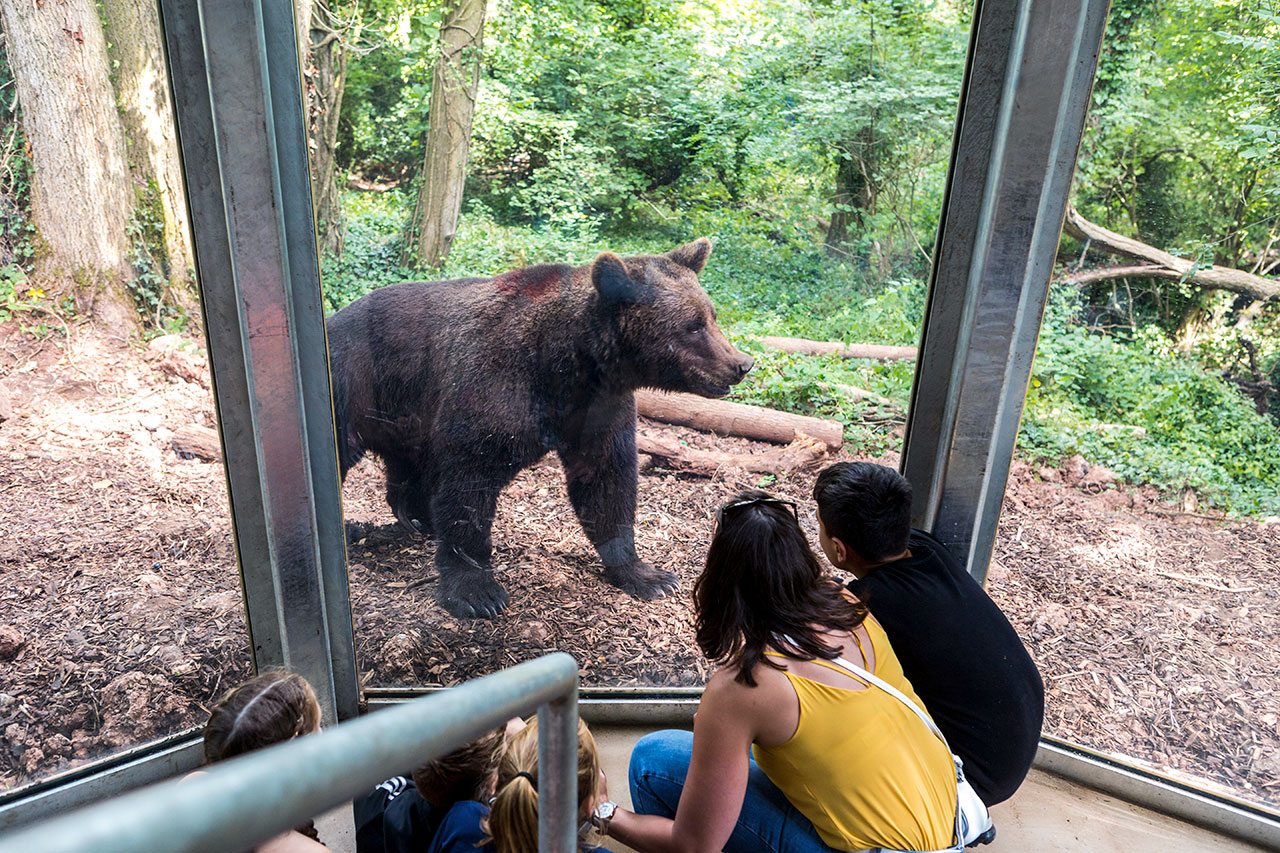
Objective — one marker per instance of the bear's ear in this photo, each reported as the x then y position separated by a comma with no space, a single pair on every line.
692,255
611,281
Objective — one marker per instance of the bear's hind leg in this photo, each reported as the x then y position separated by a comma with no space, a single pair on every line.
408,495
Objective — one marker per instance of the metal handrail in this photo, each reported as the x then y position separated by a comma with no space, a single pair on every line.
239,803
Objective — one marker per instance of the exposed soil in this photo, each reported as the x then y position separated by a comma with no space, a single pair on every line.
120,614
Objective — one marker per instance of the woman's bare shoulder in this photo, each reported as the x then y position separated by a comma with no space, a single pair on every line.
725,690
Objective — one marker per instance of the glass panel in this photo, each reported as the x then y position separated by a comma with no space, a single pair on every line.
808,140
120,611
1139,542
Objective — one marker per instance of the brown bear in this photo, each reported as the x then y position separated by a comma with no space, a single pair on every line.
459,385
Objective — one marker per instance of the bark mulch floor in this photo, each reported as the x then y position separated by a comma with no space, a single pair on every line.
120,615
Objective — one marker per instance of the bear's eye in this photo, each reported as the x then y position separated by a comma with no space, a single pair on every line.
694,326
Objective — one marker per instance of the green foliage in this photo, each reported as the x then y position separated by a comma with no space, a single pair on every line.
17,234
388,89
146,253
15,297
370,258
1184,132
1151,415
533,166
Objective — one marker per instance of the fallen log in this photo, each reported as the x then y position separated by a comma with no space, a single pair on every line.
804,347
803,454
724,418
197,442
855,393
1165,265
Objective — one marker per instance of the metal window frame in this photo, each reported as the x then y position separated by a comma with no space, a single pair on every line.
237,804
236,81
234,69
235,77
1023,102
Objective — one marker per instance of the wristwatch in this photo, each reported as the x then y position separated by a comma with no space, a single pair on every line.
602,816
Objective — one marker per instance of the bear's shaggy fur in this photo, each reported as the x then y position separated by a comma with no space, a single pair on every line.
459,385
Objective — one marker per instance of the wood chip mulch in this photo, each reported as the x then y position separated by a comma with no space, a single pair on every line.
120,613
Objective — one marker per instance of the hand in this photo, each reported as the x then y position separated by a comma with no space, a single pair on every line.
514,725
602,793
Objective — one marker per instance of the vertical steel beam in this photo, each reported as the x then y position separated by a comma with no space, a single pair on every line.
238,101
1022,108
558,775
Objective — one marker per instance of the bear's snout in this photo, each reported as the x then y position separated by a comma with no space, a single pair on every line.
743,367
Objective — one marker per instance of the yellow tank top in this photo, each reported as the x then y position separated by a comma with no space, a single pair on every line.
862,767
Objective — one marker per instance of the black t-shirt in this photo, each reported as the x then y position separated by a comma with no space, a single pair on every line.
394,818
964,660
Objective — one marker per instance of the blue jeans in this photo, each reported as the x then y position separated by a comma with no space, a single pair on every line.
659,764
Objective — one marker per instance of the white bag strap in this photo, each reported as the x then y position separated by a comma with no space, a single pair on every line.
862,675
895,693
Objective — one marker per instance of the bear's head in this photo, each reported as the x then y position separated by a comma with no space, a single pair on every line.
667,332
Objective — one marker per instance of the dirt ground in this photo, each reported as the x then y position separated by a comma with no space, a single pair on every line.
120,614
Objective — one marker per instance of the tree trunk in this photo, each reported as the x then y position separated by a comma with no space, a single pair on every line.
1164,265
453,96
738,419
303,10
327,78
81,200
142,91
854,195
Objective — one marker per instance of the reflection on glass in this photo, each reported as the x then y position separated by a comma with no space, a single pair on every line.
120,611
1138,542
807,140
121,614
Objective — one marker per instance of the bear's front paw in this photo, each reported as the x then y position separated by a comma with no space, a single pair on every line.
472,595
642,580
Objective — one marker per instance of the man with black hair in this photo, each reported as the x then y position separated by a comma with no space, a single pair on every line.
957,648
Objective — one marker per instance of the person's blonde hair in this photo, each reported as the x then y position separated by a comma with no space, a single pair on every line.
513,817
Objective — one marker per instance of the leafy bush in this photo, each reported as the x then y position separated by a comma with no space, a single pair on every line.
370,259
1151,415
384,105
17,244
535,167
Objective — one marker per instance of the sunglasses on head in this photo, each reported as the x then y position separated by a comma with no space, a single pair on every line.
750,501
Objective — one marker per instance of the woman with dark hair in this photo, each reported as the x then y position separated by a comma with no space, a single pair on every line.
838,764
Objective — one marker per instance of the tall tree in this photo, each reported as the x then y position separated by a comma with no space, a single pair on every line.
142,92
454,85
326,80
81,199
302,17
855,194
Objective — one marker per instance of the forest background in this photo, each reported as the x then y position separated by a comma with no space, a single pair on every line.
808,138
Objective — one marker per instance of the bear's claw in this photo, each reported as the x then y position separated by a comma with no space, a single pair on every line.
642,580
408,523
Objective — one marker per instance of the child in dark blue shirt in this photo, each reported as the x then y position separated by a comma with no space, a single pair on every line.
406,815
